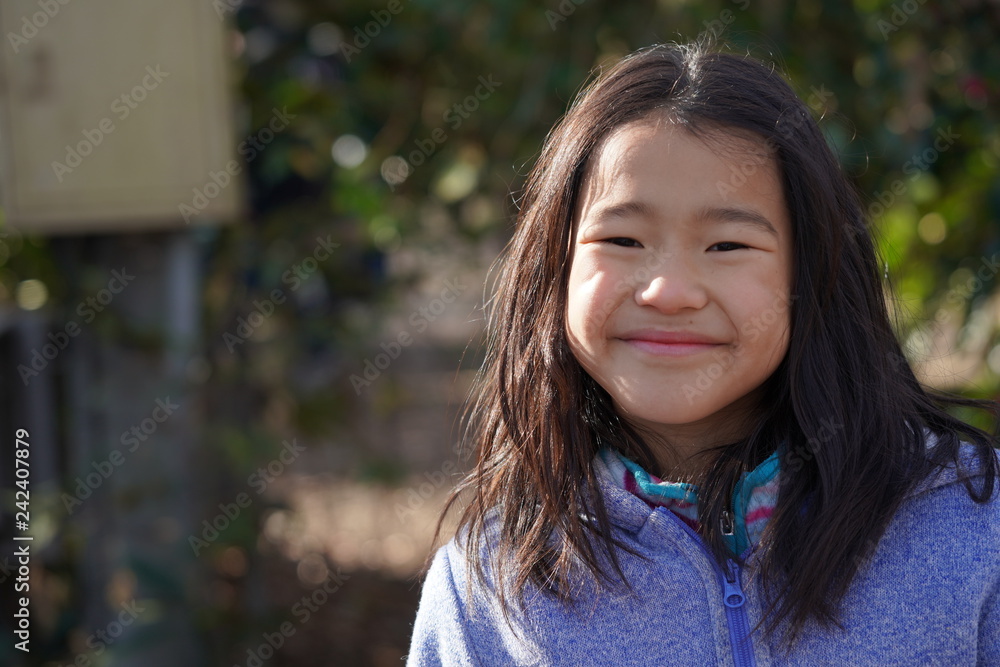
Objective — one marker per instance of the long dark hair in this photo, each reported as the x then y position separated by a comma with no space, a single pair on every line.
844,401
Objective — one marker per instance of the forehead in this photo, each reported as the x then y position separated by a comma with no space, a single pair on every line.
654,153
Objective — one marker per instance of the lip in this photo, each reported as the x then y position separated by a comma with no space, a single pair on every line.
669,343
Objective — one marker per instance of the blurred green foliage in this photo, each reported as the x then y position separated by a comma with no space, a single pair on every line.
902,75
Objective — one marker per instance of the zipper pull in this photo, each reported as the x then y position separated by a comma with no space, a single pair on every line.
733,595
727,523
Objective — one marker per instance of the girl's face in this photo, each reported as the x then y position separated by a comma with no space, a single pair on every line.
679,287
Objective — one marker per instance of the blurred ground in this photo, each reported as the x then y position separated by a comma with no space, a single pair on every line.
373,536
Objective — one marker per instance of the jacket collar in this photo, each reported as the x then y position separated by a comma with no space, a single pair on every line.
636,493
630,512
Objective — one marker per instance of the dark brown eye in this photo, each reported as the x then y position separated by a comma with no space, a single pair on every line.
729,246
623,241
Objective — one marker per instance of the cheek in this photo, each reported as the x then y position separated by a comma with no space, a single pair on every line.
764,324
591,298
577,312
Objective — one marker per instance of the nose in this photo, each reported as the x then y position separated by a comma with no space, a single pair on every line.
671,287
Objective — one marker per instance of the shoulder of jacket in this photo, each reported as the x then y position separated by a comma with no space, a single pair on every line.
970,468
459,558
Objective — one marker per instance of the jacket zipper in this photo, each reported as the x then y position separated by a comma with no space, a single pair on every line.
732,595
736,615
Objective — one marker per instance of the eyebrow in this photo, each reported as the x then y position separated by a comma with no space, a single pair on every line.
743,216
717,214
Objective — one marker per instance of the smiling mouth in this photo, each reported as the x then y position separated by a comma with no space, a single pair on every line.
673,349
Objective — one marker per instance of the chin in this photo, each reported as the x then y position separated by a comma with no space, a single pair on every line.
654,415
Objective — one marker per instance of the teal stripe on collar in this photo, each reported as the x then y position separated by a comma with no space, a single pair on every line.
758,477
669,490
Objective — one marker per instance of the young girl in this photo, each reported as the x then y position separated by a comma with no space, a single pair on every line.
699,442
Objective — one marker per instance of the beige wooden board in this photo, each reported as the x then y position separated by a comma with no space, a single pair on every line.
112,113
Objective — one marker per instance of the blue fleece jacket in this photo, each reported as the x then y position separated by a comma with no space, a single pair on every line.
930,595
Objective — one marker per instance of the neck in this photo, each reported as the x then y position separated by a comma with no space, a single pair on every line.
682,451
683,457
